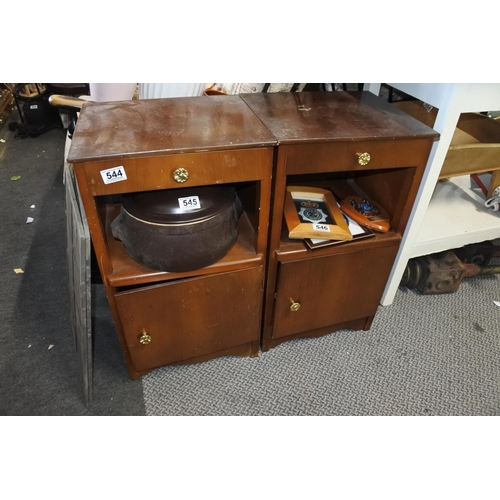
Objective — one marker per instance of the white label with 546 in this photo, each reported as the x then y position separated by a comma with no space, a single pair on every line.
321,227
115,174
189,203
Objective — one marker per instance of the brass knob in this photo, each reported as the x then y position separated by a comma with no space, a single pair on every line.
145,339
295,306
181,175
363,158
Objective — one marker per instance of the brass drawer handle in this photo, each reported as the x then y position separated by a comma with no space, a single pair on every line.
295,306
145,339
363,158
181,175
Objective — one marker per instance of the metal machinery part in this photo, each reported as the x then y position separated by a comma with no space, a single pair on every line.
442,272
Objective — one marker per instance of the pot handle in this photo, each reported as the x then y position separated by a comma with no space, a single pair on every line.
117,227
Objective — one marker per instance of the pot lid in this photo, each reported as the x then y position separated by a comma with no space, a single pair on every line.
179,206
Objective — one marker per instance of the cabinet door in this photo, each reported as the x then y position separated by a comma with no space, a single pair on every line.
331,289
190,318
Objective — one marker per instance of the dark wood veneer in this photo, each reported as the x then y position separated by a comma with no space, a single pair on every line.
201,314
260,143
319,136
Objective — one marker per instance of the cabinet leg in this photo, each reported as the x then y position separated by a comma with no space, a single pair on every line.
254,349
266,343
136,375
368,322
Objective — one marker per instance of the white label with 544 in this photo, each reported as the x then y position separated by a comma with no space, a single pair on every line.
189,203
321,227
115,174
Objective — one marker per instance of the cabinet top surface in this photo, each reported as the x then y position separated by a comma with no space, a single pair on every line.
128,129
296,117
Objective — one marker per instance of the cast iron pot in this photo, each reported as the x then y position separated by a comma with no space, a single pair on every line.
159,232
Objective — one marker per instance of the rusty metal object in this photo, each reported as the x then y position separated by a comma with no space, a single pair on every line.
478,253
441,273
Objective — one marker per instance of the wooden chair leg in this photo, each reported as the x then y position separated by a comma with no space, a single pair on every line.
494,183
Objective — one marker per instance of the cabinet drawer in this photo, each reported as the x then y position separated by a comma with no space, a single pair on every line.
191,318
331,289
157,172
342,156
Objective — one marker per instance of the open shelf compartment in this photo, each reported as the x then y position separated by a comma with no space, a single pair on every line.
388,187
244,253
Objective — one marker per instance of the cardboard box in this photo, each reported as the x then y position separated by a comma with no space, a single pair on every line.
475,146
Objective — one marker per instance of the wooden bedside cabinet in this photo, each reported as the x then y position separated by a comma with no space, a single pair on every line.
321,136
177,317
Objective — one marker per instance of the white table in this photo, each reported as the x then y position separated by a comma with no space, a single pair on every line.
449,214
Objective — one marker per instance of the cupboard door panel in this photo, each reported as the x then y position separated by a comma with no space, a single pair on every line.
331,289
191,318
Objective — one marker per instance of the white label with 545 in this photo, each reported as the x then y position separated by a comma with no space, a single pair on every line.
189,203
115,174
321,227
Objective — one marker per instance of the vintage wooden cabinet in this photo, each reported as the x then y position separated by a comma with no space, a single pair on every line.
321,137
166,317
